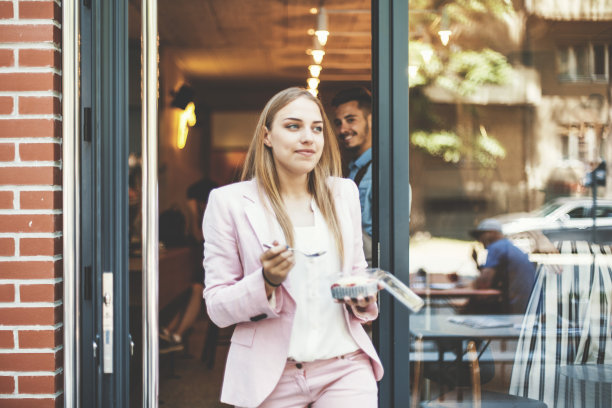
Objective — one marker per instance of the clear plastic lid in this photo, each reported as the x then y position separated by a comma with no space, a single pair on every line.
397,289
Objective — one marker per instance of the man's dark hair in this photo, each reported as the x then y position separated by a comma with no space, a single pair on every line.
359,94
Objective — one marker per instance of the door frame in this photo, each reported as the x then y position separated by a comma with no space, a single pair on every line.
391,191
95,219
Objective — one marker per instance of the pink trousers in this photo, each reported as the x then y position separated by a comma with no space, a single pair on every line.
344,381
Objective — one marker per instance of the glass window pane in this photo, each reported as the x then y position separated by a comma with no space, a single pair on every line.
523,286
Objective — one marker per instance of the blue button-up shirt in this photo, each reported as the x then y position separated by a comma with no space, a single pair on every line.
365,188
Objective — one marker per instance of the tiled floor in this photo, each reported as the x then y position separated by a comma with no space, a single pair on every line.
191,383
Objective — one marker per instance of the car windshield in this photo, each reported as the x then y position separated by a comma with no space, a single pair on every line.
547,209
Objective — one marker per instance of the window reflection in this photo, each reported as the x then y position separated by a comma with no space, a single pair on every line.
508,123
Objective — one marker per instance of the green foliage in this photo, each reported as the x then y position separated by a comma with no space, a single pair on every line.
460,71
450,147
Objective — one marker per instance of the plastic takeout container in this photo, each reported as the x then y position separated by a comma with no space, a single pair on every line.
392,284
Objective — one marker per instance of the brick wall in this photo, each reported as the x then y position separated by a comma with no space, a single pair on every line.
31,358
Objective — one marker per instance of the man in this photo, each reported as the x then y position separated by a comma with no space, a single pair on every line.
506,268
353,124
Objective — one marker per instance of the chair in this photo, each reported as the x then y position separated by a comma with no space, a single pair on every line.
474,396
567,326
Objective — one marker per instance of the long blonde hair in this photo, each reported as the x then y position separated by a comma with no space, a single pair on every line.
259,164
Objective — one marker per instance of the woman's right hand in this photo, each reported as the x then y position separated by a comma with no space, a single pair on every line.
276,263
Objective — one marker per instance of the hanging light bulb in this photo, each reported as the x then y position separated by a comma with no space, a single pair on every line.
315,70
444,36
321,31
412,70
314,92
427,53
313,83
317,56
444,33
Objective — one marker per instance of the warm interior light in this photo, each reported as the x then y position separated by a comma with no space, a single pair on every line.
412,70
311,31
313,83
317,56
314,92
427,53
315,70
322,36
444,36
314,10
187,119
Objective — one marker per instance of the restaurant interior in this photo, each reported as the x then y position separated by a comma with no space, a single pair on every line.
219,62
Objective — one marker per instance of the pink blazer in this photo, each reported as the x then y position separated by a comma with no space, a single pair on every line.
236,226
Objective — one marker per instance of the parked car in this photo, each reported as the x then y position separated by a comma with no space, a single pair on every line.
562,219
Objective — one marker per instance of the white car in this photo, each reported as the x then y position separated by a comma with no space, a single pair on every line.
563,219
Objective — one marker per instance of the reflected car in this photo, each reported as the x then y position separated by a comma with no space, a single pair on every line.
566,218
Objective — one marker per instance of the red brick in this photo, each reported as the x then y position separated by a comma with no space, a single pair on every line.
30,128
39,10
7,58
6,105
29,81
6,340
30,176
6,201
30,222
7,293
31,33
39,105
6,9
40,58
40,200
40,384
33,402
30,315
29,339
40,246
29,362
47,292
7,385
7,152
31,269
7,247
40,151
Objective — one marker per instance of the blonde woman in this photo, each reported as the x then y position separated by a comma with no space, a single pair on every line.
292,346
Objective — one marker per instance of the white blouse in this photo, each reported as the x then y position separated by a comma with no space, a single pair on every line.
319,328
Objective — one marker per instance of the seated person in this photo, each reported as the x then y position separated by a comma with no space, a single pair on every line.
507,268
182,312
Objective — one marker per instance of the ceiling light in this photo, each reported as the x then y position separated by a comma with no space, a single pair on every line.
315,70
314,92
444,36
412,70
427,53
322,32
314,10
311,31
317,56
313,83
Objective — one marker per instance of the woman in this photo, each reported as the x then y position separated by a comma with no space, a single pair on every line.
292,346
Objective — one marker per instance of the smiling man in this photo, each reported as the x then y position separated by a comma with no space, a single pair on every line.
353,125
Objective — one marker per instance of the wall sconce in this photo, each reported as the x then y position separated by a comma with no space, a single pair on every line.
321,31
183,99
315,70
